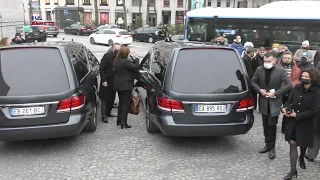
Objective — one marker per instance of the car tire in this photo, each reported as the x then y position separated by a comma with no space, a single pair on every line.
92,41
78,33
66,32
55,35
150,40
91,126
110,42
150,126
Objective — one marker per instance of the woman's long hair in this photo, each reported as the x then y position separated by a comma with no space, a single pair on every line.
314,76
123,53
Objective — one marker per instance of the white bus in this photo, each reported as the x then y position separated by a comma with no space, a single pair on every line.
11,17
292,4
261,26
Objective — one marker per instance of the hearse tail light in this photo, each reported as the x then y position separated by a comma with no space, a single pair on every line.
71,104
246,104
170,105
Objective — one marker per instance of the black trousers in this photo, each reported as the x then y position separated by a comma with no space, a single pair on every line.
124,105
285,119
269,130
107,96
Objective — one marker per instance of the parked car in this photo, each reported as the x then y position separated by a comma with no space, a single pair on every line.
185,94
52,91
107,36
52,30
38,33
149,34
79,29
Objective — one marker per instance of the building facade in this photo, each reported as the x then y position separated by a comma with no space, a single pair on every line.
109,11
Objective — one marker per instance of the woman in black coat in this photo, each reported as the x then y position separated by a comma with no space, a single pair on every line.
123,83
301,108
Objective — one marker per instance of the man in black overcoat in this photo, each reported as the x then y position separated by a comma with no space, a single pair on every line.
106,93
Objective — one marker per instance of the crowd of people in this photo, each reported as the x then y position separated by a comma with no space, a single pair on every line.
283,82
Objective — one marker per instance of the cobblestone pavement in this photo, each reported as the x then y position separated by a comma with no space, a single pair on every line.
123,154
112,153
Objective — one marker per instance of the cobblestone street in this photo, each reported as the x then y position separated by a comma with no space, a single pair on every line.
114,153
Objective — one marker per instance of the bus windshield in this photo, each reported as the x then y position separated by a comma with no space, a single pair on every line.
264,32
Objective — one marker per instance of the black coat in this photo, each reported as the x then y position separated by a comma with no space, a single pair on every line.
256,62
107,75
306,103
247,62
125,74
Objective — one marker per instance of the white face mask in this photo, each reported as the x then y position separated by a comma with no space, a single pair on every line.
268,65
275,49
238,40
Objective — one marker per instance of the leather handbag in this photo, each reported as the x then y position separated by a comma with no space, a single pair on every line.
135,101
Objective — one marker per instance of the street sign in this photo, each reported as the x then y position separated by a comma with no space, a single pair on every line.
65,12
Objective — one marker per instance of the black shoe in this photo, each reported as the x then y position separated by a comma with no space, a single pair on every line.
115,105
111,115
283,131
118,122
272,154
265,149
302,163
291,175
125,126
105,119
309,158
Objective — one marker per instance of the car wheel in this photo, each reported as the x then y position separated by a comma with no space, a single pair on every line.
92,41
55,35
78,33
110,42
91,126
66,32
150,126
150,40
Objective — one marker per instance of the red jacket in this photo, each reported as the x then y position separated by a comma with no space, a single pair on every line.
295,74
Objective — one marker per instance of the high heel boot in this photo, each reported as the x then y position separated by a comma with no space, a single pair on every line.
302,163
291,175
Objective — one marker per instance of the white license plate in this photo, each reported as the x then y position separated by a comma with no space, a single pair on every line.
126,37
27,111
210,108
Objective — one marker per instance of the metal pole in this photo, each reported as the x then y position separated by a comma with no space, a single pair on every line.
234,3
78,13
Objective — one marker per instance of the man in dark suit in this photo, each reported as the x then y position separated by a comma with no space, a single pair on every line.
272,82
106,93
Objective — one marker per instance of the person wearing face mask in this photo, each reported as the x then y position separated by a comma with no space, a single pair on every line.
294,73
303,51
272,82
220,41
247,57
106,93
237,44
281,50
304,63
301,109
275,47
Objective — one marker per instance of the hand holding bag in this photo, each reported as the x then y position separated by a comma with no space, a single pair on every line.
135,100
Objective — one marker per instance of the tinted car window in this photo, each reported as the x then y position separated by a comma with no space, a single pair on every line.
123,32
94,63
79,60
32,71
215,72
35,28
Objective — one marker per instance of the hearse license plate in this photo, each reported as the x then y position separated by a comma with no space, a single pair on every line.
29,111
210,108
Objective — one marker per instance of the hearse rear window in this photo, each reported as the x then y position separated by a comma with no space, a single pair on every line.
208,71
32,71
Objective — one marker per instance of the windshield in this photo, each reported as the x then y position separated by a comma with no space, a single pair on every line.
290,32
